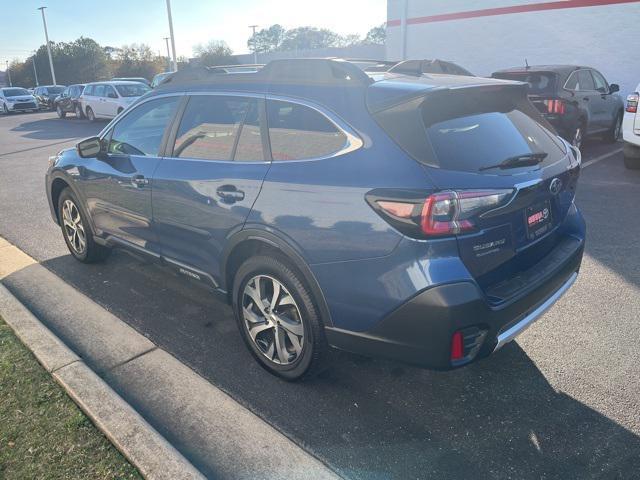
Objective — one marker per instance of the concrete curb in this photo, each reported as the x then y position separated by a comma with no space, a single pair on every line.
166,419
143,446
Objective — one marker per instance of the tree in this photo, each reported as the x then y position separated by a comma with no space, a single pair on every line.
214,53
307,38
267,40
376,36
137,60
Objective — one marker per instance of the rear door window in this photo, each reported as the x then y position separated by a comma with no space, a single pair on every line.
99,90
298,132
210,127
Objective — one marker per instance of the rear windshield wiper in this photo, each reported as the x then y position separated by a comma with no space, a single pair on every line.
524,160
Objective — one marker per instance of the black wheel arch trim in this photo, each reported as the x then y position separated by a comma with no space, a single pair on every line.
58,175
288,249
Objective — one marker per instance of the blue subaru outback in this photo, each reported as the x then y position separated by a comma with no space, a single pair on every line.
424,218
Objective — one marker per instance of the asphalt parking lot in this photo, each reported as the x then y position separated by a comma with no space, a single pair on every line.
561,402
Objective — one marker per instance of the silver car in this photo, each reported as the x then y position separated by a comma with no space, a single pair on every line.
17,99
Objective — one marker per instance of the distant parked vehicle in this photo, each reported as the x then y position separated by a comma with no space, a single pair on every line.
108,99
13,99
159,78
131,79
47,94
413,67
631,131
69,101
577,101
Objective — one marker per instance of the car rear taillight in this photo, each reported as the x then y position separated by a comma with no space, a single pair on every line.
555,106
632,102
447,213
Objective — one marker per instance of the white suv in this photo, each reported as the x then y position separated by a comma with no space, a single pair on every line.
631,131
108,99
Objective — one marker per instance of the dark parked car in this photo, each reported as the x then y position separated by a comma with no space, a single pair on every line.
159,78
429,220
577,101
69,101
46,95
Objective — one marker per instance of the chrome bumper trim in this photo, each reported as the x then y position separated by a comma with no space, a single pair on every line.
511,333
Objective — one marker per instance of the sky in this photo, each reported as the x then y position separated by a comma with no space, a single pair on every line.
118,22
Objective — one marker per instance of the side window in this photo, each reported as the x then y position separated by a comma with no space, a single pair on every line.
88,90
209,127
585,81
140,132
600,82
572,82
99,90
110,92
298,132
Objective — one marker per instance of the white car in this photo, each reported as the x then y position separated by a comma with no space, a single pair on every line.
631,131
108,99
14,99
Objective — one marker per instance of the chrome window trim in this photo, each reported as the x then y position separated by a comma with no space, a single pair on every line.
353,141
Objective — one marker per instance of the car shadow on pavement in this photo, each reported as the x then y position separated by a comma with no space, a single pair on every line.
368,418
55,128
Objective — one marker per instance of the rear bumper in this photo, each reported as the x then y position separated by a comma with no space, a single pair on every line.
419,332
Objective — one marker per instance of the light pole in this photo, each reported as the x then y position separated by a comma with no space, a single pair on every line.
46,37
173,40
166,40
255,53
9,74
35,72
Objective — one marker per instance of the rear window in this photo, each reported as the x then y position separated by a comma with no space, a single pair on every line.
540,83
471,131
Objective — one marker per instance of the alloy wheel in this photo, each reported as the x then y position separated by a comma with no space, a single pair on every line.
273,320
73,227
5,109
59,111
78,111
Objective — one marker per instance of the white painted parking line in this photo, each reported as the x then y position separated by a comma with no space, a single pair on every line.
601,157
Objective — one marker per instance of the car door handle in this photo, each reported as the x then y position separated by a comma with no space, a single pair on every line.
230,194
139,180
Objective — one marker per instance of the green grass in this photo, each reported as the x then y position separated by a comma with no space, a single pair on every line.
43,434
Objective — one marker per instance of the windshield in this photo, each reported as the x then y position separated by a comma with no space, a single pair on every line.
15,92
132,90
54,90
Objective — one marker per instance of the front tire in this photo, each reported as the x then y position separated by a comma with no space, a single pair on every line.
277,318
76,230
90,115
78,111
60,112
5,109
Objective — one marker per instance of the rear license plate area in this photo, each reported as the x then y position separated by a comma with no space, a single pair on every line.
538,219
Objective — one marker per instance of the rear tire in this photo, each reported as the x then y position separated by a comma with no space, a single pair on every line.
76,230
90,115
289,341
631,156
613,135
577,137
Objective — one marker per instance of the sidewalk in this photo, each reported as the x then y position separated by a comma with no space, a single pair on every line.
167,420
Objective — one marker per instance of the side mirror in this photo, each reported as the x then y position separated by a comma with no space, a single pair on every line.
89,147
614,87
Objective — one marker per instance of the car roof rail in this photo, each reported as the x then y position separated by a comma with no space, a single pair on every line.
303,71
